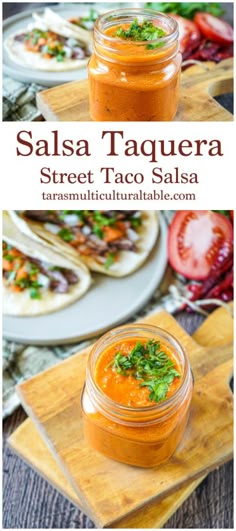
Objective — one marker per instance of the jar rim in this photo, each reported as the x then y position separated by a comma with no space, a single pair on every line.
157,407
173,35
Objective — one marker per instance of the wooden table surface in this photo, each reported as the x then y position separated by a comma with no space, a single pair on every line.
30,502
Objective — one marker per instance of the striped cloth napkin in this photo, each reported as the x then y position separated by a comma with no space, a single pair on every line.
19,102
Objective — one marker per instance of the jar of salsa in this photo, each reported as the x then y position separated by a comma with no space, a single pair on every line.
137,395
134,70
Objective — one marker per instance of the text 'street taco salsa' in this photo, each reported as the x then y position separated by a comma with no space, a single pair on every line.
112,242
36,280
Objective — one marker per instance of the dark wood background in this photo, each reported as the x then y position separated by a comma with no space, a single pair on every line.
29,502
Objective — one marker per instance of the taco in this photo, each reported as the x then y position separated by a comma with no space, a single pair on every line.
112,242
50,43
35,279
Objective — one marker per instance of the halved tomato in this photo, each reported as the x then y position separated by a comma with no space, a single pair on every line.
213,28
197,240
189,33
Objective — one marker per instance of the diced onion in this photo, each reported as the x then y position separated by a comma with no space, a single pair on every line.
54,229
71,219
68,51
86,230
45,265
44,49
101,259
43,280
88,24
132,235
72,42
27,266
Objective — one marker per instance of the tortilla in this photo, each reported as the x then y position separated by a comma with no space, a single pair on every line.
53,22
128,261
58,24
20,303
22,57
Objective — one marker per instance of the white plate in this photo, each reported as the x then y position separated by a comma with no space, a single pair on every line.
108,303
20,21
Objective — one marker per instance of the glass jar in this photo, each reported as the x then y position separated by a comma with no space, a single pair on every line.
140,436
128,81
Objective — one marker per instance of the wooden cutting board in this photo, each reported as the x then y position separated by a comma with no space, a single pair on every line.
199,85
110,491
28,444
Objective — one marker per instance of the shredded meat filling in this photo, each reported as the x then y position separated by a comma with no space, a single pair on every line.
97,233
23,272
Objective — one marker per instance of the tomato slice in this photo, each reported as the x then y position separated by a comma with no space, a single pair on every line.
214,28
189,33
197,241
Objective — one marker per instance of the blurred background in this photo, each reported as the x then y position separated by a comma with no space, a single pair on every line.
11,8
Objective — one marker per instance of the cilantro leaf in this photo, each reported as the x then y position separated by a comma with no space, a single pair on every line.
147,362
11,277
146,31
8,257
35,293
109,261
66,234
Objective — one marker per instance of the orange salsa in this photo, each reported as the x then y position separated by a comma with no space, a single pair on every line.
129,413
125,388
129,81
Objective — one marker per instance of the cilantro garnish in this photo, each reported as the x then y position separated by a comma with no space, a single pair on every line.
11,277
9,257
60,56
93,15
146,31
35,293
101,221
110,260
147,362
98,231
34,269
35,35
96,219
66,235
136,222
26,282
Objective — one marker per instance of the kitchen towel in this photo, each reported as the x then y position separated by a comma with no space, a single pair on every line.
19,102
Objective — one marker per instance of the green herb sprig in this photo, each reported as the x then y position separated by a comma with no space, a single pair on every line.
66,234
33,285
223,212
146,31
187,9
101,221
35,35
110,260
147,362
92,16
